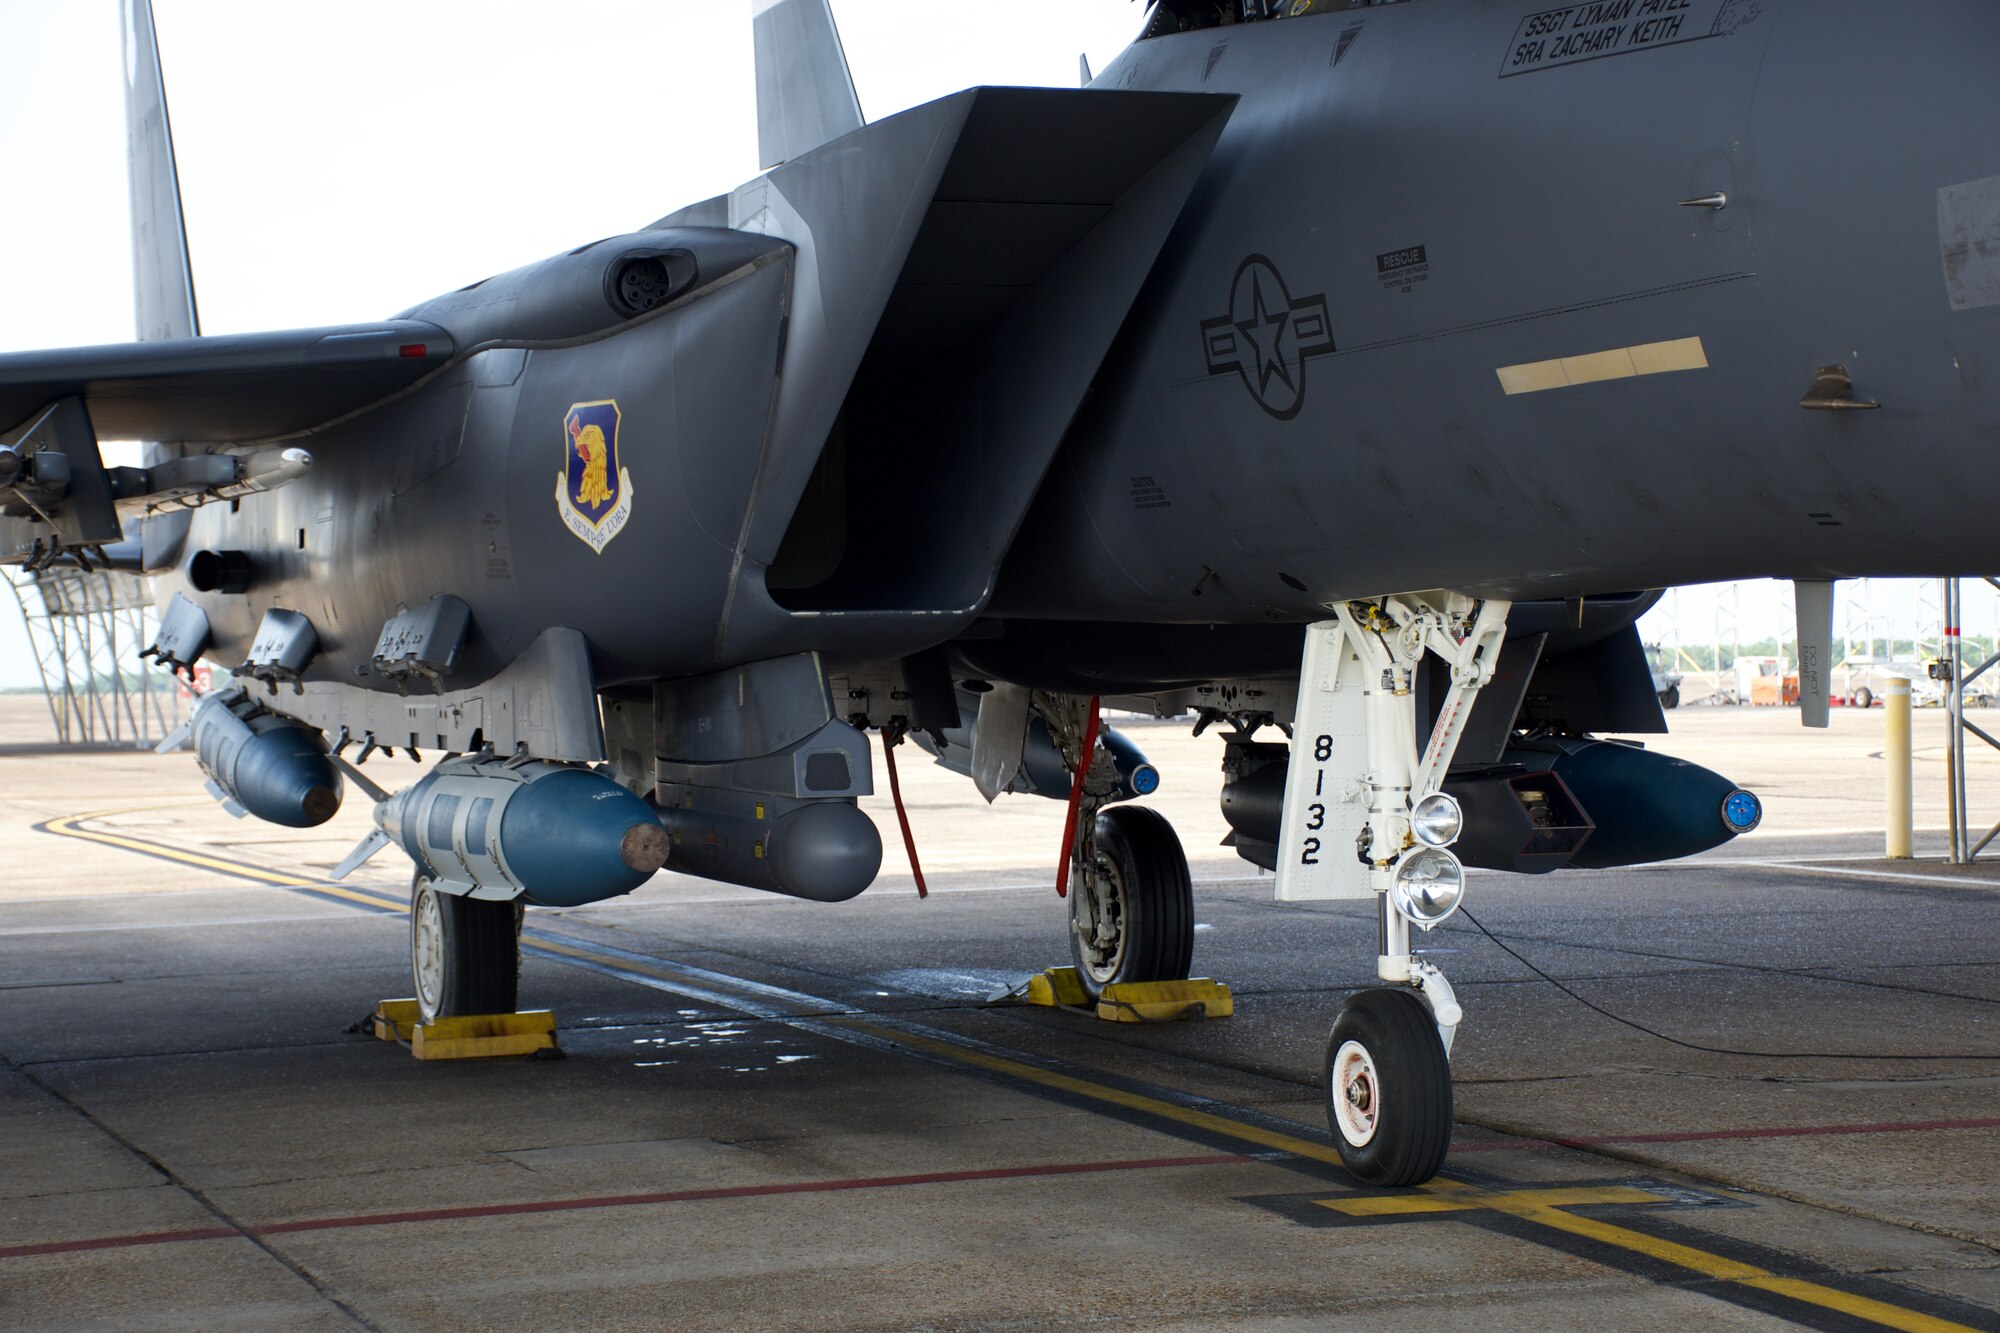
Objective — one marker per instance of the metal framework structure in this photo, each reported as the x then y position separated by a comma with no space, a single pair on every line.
1963,848
87,628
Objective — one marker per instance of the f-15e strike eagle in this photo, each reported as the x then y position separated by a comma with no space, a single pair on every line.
1335,370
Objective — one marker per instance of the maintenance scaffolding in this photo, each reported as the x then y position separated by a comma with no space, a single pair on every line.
1952,668
87,627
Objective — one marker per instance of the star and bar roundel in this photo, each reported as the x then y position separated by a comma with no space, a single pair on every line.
1267,336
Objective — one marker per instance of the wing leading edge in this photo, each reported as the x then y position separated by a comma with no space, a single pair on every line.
225,390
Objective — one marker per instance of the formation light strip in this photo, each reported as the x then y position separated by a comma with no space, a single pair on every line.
1620,363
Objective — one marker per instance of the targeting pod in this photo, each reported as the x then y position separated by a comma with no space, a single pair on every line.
1553,802
1587,804
556,835
259,762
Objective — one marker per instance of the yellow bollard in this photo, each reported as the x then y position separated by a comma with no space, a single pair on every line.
1896,751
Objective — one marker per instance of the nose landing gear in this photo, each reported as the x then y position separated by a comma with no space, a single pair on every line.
1355,779
1388,1088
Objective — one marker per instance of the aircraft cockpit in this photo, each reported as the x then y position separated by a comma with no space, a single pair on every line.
1171,16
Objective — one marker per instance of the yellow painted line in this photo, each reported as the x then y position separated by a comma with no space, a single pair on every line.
606,960
66,827
1583,1196
1451,1195
1608,1233
1395,1205
1544,1207
1135,1101
1725,1270
1878,1312
1619,363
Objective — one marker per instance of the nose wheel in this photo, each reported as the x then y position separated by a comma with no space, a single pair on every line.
1388,1088
1132,907
465,953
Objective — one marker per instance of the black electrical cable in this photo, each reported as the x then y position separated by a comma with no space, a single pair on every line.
1693,1045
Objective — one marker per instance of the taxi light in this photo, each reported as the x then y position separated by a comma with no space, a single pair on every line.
1437,820
1429,886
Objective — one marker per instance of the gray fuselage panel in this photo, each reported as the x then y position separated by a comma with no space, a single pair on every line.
1436,317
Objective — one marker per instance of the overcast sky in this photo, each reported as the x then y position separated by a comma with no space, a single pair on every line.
341,161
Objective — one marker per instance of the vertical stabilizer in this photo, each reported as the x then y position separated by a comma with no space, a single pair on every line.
805,95
163,282
162,278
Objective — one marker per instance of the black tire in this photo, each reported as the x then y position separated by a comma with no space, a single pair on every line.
1153,903
1864,697
477,967
1406,1097
1670,697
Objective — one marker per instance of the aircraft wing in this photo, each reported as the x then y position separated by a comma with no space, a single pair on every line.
223,390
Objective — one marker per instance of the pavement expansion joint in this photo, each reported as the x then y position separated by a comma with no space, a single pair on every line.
170,1179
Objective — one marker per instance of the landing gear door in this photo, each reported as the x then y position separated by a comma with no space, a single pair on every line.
1326,793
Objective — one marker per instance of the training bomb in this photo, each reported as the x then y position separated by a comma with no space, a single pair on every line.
260,762
557,835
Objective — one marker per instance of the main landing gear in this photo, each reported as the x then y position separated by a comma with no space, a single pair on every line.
1131,902
1357,780
465,953
1131,907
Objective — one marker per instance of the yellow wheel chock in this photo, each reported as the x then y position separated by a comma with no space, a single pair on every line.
466,1037
1128,1001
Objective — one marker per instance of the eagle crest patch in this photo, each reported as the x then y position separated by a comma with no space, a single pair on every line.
593,492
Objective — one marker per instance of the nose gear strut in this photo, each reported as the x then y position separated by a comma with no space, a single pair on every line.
1355,775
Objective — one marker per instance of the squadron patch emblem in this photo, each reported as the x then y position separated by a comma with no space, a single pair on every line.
593,493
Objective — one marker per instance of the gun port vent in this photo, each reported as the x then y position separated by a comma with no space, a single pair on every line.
642,285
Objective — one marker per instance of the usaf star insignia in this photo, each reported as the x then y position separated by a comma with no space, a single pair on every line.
1267,336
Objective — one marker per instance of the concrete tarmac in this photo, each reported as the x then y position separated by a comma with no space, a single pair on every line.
777,1114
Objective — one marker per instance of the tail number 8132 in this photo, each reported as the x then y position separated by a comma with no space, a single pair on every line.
1316,812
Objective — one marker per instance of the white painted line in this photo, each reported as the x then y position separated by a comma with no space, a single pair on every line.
192,923
1951,881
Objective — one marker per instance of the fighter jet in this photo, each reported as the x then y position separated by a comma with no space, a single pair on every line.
1343,377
